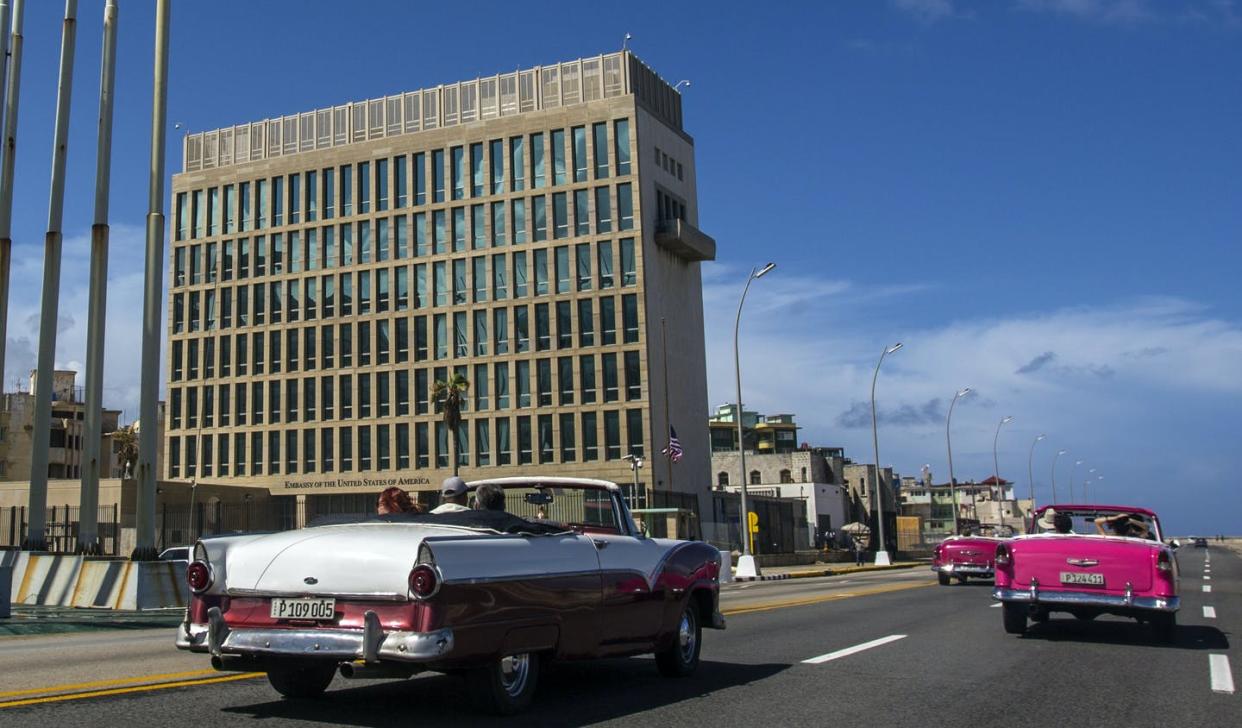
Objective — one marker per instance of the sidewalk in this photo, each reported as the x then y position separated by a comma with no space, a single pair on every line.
808,571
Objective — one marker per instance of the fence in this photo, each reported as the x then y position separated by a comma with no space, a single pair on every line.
61,528
782,523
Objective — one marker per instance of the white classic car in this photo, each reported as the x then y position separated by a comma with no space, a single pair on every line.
487,593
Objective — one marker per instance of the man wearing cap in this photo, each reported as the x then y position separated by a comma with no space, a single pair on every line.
453,495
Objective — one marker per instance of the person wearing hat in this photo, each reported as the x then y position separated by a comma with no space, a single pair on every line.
1053,522
452,495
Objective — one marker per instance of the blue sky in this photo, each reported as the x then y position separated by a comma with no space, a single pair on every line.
1041,198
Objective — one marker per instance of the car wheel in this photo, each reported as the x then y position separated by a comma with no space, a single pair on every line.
961,580
507,685
943,579
1039,615
1165,626
1015,618
681,657
301,679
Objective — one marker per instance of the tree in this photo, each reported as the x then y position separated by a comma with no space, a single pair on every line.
125,440
449,397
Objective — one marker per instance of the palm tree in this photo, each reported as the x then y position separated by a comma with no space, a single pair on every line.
126,443
449,397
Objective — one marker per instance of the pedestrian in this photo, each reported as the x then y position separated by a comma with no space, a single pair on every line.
452,495
396,500
858,552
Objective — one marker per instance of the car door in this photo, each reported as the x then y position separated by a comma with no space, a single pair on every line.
631,608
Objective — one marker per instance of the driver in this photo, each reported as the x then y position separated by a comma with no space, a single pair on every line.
453,495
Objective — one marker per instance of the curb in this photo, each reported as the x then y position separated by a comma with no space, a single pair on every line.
814,573
770,577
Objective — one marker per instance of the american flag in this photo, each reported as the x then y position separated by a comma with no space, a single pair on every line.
673,450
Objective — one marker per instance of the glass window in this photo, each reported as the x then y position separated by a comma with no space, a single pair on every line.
230,208
478,227
612,435
439,241
522,382
565,379
545,438
402,247
600,132
564,324
543,328
347,294
183,218
329,199
420,338
560,215
580,154
364,447
458,170
582,212
381,239
402,275
500,282
420,285
517,163
609,363
633,378
381,290
540,262
312,197
345,440
347,243
634,431
479,385
213,210
476,170
519,221
629,318
421,448
501,380
437,175
295,199
459,229
608,320
420,234
420,178
347,190
497,159
543,382
325,447
459,280
500,331
538,175
559,172
503,448
524,440
364,241
621,135
364,187
482,443
539,211
519,275
480,333
479,276
562,271
625,207
461,335
629,265
590,436
381,185
586,323
582,252
440,322
521,327
603,211
403,446
498,224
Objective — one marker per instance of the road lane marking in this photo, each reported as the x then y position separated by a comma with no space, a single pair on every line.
125,691
853,650
107,683
1222,678
1207,587
767,606
994,606
1209,612
1206,577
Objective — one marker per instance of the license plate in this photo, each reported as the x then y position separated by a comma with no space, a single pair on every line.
1079,577
321,608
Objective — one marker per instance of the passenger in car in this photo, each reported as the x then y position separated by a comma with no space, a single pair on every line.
488,497
453,495
1122,524
396,500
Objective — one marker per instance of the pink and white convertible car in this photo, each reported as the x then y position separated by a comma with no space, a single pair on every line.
968,557
1111,562
485,593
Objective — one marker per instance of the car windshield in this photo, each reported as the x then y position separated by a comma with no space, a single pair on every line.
589,507
1110,522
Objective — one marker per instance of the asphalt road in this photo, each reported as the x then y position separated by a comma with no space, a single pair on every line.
887,649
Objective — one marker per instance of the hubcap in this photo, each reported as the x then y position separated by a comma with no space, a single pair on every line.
686,636
514,672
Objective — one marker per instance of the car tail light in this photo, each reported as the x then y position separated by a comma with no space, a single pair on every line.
1004,556
1164,562
424,581
198,576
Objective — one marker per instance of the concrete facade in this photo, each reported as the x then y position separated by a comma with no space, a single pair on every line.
551,286
808,475
17,416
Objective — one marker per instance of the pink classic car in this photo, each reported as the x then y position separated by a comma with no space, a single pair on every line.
967,556
488,594
1089,560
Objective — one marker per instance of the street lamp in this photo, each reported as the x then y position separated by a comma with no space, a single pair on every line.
746,565
635,462
1054,474
996,469
881,555
949,442
1030,469
1088,480
1073,468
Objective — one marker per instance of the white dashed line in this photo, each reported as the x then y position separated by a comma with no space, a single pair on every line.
1222,678
1206,577
994,606
1209,612
859,648
1207,587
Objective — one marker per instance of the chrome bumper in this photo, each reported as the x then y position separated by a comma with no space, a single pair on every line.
371,643
965,569
1087,599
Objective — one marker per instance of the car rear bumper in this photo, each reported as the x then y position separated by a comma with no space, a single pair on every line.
371,644
964,570
1087,599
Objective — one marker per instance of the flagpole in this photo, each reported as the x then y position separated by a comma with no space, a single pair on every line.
668,423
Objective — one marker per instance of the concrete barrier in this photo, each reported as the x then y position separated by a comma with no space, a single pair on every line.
6,583
71,581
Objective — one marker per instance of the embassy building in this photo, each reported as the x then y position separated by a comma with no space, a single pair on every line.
534,231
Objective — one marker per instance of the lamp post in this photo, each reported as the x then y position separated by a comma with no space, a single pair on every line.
948,439
1073,468
996,468
1090,471
1030,469
1054,474
746,565
635,462
881,554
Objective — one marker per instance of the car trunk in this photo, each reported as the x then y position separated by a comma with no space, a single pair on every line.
1047,559
974,551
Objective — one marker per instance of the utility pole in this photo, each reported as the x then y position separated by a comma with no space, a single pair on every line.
8,113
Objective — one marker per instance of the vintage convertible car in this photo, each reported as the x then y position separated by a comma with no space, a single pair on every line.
485,593
1093,570
966,556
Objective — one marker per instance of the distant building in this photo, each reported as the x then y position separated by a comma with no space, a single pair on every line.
17,411
763,433
812,475
993,502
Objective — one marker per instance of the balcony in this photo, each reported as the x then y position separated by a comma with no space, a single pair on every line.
685,241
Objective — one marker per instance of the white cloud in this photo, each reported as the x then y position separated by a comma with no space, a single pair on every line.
123,326
1120,12
927,10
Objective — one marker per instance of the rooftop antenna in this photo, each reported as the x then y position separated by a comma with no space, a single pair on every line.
625,42
679,84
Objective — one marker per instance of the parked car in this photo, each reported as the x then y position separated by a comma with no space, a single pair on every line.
968,556
176,553
1094,570
1200,542
486,593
